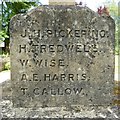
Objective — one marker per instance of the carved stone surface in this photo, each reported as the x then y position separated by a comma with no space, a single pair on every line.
62,56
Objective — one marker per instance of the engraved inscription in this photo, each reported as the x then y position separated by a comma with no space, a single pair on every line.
65,33
53,91
55,77
60,56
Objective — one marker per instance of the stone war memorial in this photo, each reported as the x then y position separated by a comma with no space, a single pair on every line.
62,56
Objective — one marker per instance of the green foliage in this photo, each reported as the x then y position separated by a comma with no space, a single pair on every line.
18,7
7,66
3,36
8,10
5,55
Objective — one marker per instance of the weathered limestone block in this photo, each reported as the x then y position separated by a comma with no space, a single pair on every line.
62,56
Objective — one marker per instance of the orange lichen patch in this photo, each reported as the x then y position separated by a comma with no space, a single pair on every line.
116,102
